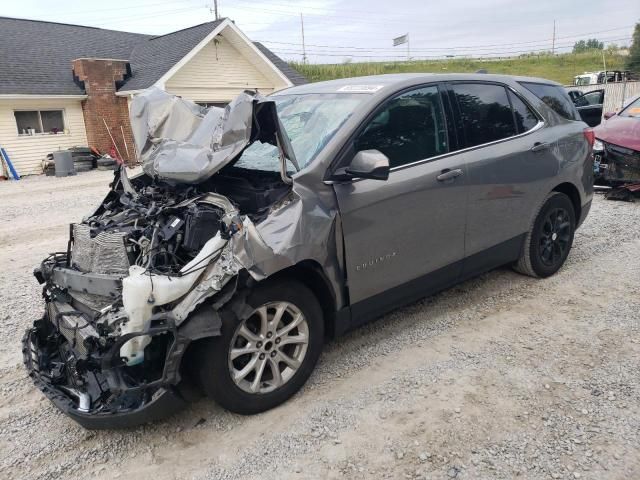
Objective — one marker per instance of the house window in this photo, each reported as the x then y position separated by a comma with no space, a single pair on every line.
30,122
213,104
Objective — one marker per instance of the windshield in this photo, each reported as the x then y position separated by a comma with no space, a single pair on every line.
632,110
310,121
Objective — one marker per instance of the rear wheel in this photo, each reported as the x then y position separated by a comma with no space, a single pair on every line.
550,238
262,359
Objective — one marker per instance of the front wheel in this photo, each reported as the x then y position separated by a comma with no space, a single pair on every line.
262,359
550,238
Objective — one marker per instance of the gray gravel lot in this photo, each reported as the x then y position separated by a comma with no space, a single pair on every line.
501,377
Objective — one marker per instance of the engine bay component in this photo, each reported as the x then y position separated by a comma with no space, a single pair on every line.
201,225
142,291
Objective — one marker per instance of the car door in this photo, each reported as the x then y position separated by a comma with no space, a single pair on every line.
589,107
398,231
508,158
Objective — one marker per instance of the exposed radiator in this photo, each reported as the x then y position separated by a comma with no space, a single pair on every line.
106,253
75,328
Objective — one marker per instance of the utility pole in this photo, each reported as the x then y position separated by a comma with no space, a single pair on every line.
408,49
215,9
553,43
304,50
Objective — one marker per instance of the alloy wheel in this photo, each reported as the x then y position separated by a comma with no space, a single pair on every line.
555,237
268,347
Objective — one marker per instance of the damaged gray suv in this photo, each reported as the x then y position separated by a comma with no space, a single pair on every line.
256,232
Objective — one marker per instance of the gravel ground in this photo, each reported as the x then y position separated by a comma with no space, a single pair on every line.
503,376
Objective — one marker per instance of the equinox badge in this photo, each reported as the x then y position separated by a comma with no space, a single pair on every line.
375,261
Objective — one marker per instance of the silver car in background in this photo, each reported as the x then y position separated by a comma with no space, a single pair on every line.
258,231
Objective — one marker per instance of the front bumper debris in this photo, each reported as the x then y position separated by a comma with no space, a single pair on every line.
91,384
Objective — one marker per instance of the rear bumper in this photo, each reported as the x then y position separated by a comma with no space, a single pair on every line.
125,407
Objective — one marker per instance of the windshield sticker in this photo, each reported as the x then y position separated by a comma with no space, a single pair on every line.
360,88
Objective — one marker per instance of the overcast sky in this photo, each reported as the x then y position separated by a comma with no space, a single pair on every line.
336,30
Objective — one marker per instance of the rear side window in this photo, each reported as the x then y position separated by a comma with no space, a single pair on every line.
485,112
555,97
525,118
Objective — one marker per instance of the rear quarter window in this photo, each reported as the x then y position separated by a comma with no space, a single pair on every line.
555,97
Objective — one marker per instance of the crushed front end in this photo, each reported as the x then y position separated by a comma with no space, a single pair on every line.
146,273
120,301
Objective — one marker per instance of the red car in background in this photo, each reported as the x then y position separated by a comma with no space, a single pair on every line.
617,146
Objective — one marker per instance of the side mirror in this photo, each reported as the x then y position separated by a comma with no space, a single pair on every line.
608,115
371,164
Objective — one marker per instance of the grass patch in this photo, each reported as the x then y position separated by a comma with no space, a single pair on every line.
561,68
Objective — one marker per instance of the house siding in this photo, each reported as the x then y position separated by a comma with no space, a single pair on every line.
218,73
27,152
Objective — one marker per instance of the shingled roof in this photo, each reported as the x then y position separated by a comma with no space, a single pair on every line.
36,56
292,74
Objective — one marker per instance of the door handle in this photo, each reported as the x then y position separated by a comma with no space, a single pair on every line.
447,174
539,146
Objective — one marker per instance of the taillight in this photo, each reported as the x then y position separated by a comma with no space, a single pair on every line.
590,135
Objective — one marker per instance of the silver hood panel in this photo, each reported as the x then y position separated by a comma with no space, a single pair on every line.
181,142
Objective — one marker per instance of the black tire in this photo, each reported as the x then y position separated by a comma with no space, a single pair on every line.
78,151
82,158
549,239
84,163
104,162
214,369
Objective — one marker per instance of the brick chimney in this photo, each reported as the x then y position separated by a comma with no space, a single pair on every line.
100,79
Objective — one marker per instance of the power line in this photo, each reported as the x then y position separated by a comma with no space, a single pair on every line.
452,47
129,19
363,55
294,12
129,7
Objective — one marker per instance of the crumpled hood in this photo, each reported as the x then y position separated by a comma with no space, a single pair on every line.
621,131
181,142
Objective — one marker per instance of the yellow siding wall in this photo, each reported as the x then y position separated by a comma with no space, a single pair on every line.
27,152
218,73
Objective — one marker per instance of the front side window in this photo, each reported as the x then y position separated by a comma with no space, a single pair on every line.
39,121
593,98
555,97
580,101
485,112
411,127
